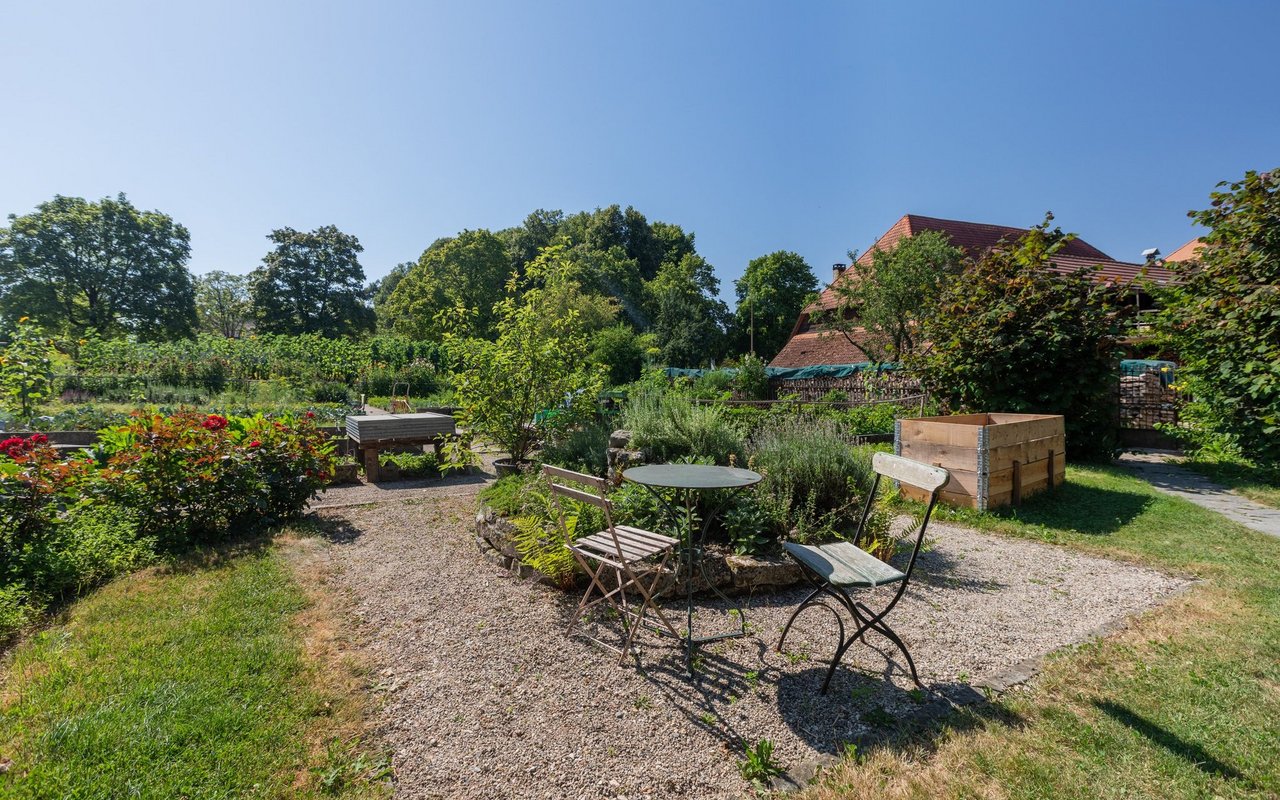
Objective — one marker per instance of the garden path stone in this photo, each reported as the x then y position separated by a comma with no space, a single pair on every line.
483,695
1181,482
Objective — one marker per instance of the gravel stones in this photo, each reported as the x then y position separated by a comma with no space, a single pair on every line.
484,695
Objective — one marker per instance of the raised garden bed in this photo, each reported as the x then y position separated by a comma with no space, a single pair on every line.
994,459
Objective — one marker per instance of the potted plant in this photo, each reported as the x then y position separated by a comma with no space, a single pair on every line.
536,374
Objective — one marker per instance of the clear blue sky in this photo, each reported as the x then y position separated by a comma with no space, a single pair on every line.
805,126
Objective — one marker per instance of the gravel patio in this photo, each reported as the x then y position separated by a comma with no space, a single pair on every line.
483,695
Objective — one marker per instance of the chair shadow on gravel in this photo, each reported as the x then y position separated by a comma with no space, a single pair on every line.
877,713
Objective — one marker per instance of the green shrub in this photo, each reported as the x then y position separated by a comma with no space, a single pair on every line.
14,611
330,392
1011,335
752,383
88,546
414,465
508,495
1221,317
716,384
813,479
668,426
580,448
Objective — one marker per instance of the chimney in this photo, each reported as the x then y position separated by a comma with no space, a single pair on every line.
836,271
1151,255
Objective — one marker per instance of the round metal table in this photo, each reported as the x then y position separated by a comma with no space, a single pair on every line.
688,479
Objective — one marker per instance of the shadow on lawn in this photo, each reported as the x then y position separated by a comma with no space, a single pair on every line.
1191,752
1077,506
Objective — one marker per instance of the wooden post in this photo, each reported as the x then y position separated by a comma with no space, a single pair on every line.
372,469
1051,469
1017,484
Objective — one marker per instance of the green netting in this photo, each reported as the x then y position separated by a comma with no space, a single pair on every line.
793,373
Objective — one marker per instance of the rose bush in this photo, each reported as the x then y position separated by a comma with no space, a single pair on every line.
155,485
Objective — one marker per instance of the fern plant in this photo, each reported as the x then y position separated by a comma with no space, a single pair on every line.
540,542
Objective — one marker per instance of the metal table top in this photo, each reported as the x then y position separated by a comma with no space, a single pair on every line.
692,476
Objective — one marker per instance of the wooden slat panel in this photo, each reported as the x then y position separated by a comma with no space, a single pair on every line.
909,472
942,455
1026,452
959,435
1028,430
603,543
649,534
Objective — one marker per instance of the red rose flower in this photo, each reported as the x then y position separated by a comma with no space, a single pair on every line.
255,443
39,438
214,422
311,415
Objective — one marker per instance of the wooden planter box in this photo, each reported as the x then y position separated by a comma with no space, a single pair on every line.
994,459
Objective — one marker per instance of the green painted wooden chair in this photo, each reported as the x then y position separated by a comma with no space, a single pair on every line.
835,569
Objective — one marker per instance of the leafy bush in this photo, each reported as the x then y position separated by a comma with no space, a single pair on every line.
580,448
189,476
1221,321
87,546
414,465
538,363
813,480
668,426
1011,335
716,384
509,494
330,392
752,383
25,368
14,609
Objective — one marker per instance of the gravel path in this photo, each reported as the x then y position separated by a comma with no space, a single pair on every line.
485,696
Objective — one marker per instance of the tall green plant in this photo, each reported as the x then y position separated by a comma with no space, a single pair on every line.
668,425
538,363
1011,335
26,368
1223,318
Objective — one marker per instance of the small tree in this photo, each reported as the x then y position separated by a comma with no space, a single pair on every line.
26,368
883,306
1223,319
1009,335
538,364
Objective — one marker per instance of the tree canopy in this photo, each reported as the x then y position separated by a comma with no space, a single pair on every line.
468,270
311,282
222,303
771,294
890,300
106,266
1222,320
1010,335
689,320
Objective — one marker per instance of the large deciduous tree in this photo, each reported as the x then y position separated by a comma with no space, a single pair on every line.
222,303
311,282
105,266
771,294
883,306
468,270
1010,335
688,320
1223,319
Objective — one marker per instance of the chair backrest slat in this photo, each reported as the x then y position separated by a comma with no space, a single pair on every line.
580,496
909,472
599,484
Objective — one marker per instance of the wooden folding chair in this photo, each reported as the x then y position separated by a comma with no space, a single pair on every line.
621,549
833,569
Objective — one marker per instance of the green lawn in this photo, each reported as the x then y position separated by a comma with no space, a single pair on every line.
1183,704
1259,484
196,682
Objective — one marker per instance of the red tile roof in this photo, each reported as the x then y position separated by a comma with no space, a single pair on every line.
976,238
1188,252
813,344
808,348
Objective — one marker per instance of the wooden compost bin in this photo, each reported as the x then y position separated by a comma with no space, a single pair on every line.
994,459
